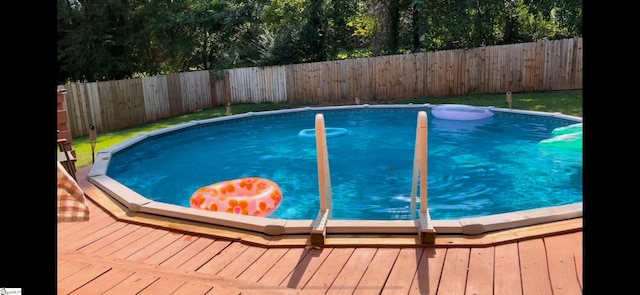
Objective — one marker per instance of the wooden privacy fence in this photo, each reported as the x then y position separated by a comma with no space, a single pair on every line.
525,67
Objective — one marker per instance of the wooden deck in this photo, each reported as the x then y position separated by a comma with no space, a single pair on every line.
108,255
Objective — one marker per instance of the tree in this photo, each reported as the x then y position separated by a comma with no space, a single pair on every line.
279,42
116,39
364,24
313,35
91,43
340,34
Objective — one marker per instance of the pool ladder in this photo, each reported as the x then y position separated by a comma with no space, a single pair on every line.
426,232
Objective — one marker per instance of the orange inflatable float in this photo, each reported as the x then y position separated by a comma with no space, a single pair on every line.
246,196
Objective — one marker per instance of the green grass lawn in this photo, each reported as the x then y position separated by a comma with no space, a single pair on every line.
566,102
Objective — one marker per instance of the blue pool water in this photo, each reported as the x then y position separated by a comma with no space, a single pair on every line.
475,168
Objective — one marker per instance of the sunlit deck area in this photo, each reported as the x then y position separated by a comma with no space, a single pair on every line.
119,252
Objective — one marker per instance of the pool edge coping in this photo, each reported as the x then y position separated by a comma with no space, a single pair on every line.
121,213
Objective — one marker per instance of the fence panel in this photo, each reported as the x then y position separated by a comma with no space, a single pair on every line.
513,67
195,90
135,102
272,84
534,66
220,87
156,97
550,66
576,59
379,71
432,73
105,107
75,106
174,88
241,90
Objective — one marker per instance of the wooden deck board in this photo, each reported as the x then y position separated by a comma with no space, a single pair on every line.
427,278
131,285
507,270
124,241
80,278
66,228
284,267
377,272
292,268
455,271
110,238
534,268
162,286
78,244
242,262
170,250
352,271
195,248
263,264
192,289
305,269
328,271
67,268
198,260
106,255
84,229
139,242
222,291
480,277
150,249
103,283
403,271
146,274
562,266
222,259
576,240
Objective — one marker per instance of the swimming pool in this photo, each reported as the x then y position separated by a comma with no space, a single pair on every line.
489,168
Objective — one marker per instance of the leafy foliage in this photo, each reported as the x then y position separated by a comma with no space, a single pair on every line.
91,40
117,39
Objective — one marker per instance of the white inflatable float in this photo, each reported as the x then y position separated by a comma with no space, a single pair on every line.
330,132
567,136
460,112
